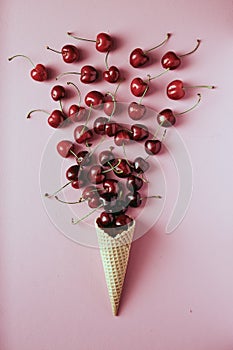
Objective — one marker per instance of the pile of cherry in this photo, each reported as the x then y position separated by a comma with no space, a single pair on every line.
100,178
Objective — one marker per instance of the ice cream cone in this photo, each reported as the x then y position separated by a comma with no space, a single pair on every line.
115,254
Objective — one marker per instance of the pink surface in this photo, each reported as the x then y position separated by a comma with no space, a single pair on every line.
179,288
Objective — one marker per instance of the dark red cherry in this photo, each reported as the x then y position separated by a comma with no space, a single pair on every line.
56,118
141,165
170,60
139,132
153,147
79,183
166,118
72,172
84,158
82,134
138,87
134,183
39,73
95,174
106,157
133,199
106,219
99,125
111,75
121,168
103,42
69,53
111,128
64,148
109,106
123,220
94,202
94,98
122,137
111,186
88,74
89,192
175,90
138,58
58,92
136,110
76,113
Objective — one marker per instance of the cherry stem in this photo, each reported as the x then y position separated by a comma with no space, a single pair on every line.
53,194
81,200
199,86
114,104
190,109
162,43
11,58
156,134
87,119
66,73
113,168
78,38
101,141
143,179
144,93
157,76
36,110
158,197
49,48
124,151
86,216
74,154
61,108
106,61
195,48
78,91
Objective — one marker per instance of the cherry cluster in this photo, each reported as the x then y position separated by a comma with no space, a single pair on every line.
99,177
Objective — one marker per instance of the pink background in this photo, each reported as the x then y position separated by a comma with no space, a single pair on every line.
179,287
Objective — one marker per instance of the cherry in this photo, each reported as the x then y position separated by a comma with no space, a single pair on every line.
138,57
136,110
79,183
72,172
94,98
111,186
116,207
105,219
69,53
121,168
133,199
89,192
123,220
111,128
122,137
65,148
134,183
38,73
94,201
138,87
171,60
106,157
103,41
82,134
58,92
99,125
176,89
112,74
166,117
139,132
95,174
76,113
109,104
56,118
140,165
153,147
88,74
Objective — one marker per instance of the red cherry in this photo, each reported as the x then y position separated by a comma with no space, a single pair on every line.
136,110
94,202
133,199
94,98
166,118
123,220
103,42
84,158
134,183
82,134
111,186
106,157
175,90
76,113
111,128
88,74
72,172
111,75
95,174
122,137
105,219
38,73
153,147
139,132
138,87
140,165
77,184
56,118
65,148
121,168
69,53
58,92
99,125
138,58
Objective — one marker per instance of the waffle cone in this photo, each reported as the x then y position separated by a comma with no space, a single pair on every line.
114,253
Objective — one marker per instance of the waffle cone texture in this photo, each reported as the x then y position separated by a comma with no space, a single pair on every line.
114,253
